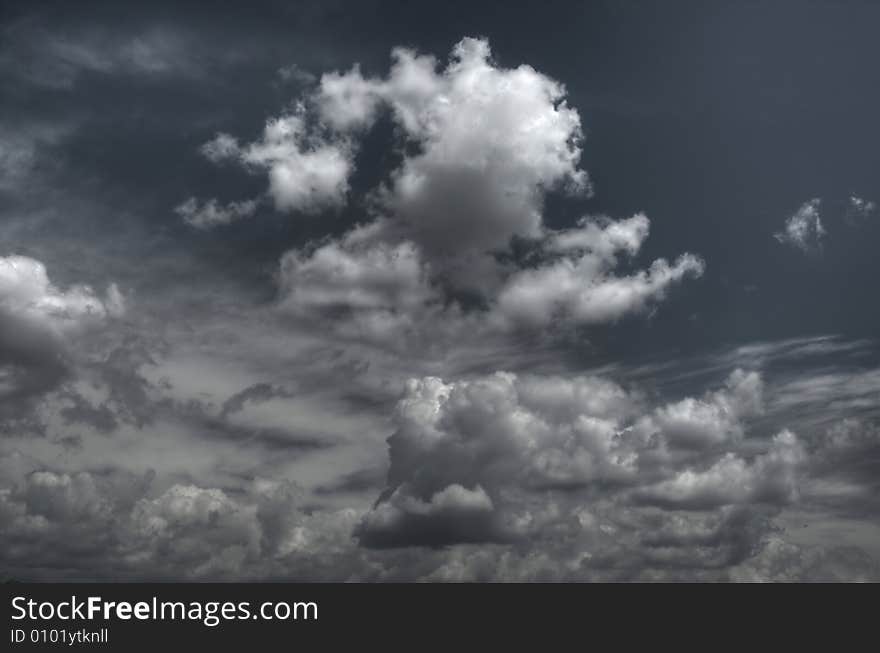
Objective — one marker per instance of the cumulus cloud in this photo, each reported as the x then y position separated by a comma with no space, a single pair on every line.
201,524
697,423
543,472
27,293
116,524
452,515
526,451
37,319
804,229
307,171
491,142
495,477
380,287
480,146
579,285
770,477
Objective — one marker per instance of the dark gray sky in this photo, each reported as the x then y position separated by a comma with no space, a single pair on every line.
208,320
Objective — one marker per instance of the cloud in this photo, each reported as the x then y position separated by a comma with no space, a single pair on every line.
24,150
452,515
480,146
296,74
578,286
362,287
529,445
211,214
712,420
781,561
221,148
203,525
37,320
56,60
307,171
113,524
172,438
851,434
259,392
770,478
859,208
491,142
374,285
494,477
804,229
27,293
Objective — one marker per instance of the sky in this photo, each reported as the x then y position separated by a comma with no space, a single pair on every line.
397,291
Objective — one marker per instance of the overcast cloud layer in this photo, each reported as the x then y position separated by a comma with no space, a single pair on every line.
453,300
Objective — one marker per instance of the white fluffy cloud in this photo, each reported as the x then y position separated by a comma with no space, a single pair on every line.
307,172
578,285
491,142
373,281
770,477
715,419
38,321
804,229
480,147
26,292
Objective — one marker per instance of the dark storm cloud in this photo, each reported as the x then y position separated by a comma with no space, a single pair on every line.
244,247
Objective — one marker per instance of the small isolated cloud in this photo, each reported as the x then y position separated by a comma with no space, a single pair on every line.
210,213
24,148
858,208
296,74
222,147
56,59
307,171
804,229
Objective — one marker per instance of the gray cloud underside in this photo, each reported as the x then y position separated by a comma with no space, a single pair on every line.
390,398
